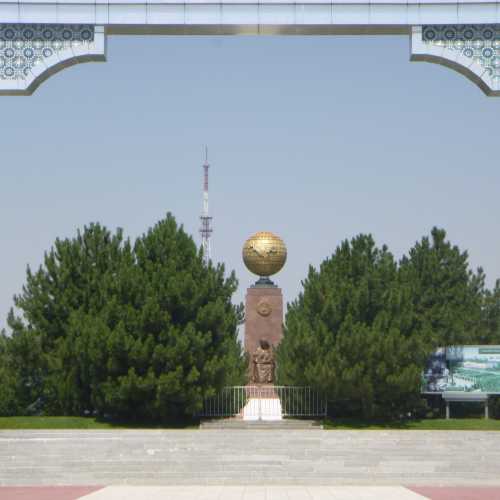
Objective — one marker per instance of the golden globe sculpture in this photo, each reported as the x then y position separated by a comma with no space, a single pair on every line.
264,253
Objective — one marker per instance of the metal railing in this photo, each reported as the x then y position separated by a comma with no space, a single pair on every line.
254,400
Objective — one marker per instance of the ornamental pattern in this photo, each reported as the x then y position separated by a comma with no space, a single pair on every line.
480,43
23,46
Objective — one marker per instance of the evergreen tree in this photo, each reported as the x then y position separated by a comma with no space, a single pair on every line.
489,332
142,331
8,401
446,295
350,334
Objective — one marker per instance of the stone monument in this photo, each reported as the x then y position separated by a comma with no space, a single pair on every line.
264,254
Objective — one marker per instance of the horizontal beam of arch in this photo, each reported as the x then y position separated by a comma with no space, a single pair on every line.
201,15
21,73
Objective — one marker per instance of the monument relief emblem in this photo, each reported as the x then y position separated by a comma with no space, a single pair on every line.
264,308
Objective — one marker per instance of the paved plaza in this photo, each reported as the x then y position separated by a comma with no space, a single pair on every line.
249,464
249,493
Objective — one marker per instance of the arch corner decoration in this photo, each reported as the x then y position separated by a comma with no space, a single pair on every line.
31,53
471,50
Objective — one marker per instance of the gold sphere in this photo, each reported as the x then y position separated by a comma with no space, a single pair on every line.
264,253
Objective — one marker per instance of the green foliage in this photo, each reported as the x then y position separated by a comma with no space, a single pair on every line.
447,296
489,331
8,402
364,325
350,334
21,371
144,331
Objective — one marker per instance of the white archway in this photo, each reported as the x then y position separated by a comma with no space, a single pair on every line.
40,37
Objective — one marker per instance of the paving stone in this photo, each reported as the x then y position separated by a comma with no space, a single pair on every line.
256,493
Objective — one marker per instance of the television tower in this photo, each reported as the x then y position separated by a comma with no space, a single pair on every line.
206,221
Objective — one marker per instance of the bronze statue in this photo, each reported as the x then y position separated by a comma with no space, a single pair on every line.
263,364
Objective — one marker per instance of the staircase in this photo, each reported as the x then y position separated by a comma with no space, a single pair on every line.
238,423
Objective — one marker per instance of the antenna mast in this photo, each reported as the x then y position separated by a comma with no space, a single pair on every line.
206,221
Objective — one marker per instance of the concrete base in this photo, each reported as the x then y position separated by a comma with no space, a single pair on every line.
268,409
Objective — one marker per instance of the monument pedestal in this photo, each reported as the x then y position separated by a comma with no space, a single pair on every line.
263,403
263,317
268,409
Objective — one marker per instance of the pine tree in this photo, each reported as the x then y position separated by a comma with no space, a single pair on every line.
8,401
350,334
446,294
489,332
143,331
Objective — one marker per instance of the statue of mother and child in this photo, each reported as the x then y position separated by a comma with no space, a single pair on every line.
262,364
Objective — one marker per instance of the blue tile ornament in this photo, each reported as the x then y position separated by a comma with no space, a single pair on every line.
22,46
478,42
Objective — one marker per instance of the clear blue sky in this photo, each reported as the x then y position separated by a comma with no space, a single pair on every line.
314,138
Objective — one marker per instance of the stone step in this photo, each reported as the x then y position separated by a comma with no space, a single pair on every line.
238,423
250,457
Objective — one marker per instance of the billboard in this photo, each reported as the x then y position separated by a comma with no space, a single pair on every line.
464,369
